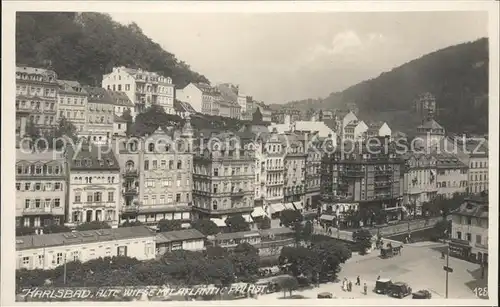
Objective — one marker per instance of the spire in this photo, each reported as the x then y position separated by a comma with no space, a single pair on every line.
187,130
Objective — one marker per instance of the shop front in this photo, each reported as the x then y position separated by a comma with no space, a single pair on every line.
460,249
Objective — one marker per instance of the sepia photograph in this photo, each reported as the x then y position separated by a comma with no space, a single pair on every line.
252,152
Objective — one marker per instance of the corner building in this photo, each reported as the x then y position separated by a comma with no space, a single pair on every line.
223,177
156,175
40,188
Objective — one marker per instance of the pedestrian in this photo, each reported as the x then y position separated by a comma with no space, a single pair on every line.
358,281
350,286
365,288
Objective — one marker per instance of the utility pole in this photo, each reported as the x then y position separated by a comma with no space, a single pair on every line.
64,274
447,265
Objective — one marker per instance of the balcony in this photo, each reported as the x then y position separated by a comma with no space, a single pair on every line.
131,173
354,173
237,194
386,172
275,168
44,211
274,182
383,184
130,191
130,209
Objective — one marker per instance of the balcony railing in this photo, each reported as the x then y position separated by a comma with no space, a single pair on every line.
274,182
353,173
130,191
131,173
384,172
275,167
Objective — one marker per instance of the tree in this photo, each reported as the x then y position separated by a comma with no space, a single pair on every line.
363,239
215,252
206,227
245,259
289,284
31,130
220,272
169,225
441,230
65,128
289,217
307,231
299,261
236,223
330,254
55,228
264,223
95,225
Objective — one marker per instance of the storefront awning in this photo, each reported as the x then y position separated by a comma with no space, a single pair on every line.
276,208
258,211
219,222
289,206
247,218
298,205
327,217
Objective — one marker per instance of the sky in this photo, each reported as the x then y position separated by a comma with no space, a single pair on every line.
281,57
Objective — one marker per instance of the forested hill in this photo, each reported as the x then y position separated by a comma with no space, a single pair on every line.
84,46
457,76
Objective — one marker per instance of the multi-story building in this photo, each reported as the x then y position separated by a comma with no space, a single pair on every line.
378,129
100,115
420,181
451,175
48,251
72,103
229,109
285,115
234,99
142,87
312,127
121,103
223,177
355,130
36,99
294,185
157,174
313,174
429,134
94,185
364,179
344,117
424,106
185,239
264,110
269,173
40,188
469,235
201,96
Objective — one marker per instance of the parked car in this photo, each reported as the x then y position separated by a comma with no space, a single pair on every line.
422,294
399,290
325,295
382,285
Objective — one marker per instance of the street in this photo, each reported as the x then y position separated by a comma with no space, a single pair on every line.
420,265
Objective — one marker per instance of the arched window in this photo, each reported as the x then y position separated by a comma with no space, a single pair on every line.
151,147
214,205
129,165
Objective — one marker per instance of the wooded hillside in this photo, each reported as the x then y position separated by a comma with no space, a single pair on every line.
84,46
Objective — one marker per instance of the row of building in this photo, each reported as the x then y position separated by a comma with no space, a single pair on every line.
49,251
97,112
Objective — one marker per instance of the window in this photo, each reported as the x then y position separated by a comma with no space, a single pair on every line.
469,237
478,239
26,261
216,172
57,202
59,258
176,246
171,164
75,255
98,196
163,164
41,260
27,186
215,188
27,203
122,251
169,198
469,220
155,164
178,197
179,164
37,203
153,200
18,186
459,235
111,196
38,186
78,198
57,186
146,165
90,198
